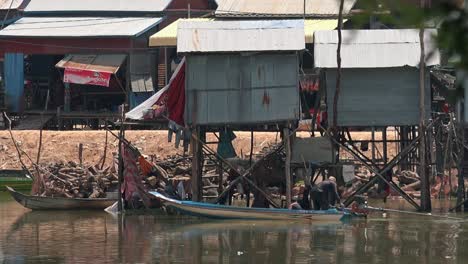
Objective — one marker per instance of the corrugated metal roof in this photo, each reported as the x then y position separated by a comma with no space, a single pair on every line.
236,36
100,63
374,48
281,8
79,27
97,5
168,35
12,4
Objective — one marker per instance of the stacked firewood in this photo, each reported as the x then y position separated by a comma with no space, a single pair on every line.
176,165
73,181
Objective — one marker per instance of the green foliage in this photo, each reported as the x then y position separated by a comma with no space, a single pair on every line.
449,17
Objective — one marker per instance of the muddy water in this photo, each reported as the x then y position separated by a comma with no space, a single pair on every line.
97,237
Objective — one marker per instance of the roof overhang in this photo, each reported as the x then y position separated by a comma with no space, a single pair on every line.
375,48
53,6
282,9
79,27
90,69
240,36
167,37
85,35
109,63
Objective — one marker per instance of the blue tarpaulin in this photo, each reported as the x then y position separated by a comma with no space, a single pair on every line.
14,81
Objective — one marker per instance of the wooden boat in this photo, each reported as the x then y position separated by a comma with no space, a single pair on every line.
247,213
59,203
19,183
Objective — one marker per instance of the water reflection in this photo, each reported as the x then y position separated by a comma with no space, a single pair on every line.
97,237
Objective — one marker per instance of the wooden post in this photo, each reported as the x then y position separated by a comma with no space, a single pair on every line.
220,178
425,185
59,118
80,154
373,144
385,151
250,164
121,164
197,191
461,171
287,166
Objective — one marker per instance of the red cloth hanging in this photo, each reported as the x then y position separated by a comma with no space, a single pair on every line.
176,97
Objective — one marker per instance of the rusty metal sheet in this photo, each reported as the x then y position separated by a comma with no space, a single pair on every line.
51,27
236,89
283,8
316,150
99,63
97,5
374,48
240,35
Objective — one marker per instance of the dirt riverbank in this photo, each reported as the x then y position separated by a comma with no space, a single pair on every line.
63,145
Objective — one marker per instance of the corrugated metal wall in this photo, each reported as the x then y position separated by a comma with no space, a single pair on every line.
14,81
236,89
377,97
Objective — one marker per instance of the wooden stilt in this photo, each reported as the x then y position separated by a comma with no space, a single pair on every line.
197,191
80,153
220,177
121,164
423,173
287,166
250,164
373,170
243,176
385,150
373,144
461,171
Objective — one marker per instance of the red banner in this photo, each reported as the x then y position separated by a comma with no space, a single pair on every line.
309,82
86,77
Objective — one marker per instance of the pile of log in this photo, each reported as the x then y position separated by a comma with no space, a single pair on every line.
175,166
409,182
73,181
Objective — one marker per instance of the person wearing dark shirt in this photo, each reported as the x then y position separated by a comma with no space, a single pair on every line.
325,194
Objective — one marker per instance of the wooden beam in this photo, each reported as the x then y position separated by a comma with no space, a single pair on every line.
197,191
425,185
373,170
287,166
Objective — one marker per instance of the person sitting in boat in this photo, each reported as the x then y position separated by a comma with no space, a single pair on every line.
325,194
304,202
170,190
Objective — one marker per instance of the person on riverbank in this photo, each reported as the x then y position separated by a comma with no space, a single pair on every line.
325,194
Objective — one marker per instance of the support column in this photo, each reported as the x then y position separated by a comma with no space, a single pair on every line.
197,191
463,167
373,144
384,139
287,166
423,172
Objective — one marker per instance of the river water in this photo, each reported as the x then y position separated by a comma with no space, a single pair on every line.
97,237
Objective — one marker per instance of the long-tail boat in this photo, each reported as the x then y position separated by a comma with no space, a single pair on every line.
34,202
248,213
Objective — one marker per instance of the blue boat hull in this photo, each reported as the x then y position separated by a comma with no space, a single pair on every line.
232,212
